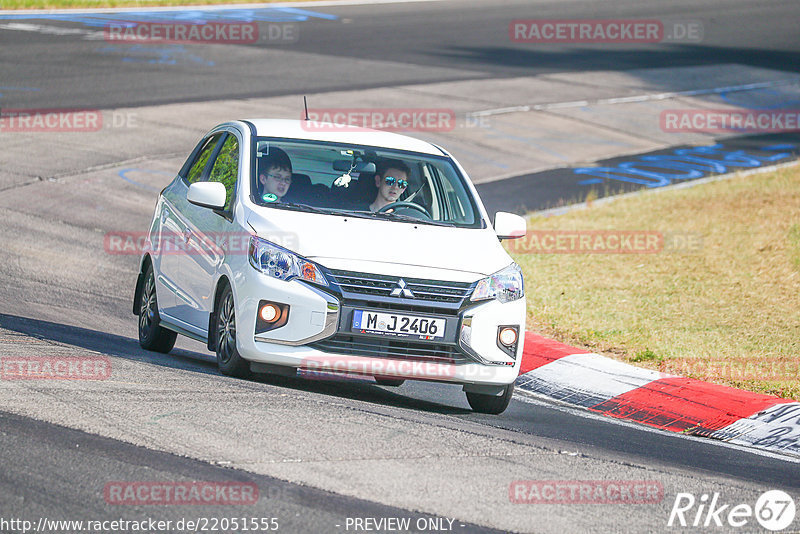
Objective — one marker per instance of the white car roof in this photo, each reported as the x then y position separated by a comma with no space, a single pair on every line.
338,133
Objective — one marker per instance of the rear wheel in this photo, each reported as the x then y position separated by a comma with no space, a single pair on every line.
228,359
492,404
152,336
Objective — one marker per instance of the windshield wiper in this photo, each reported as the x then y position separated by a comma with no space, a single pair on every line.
408,218
360,214
299,207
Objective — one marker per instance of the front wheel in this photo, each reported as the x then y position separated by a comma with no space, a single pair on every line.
152,336
491,404
228,359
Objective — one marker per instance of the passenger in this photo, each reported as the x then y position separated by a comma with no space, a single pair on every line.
391,179
274,175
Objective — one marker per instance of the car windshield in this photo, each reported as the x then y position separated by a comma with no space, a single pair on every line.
361,181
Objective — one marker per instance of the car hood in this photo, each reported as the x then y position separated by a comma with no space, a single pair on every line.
356,243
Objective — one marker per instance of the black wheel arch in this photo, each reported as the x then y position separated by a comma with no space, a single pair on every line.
222,283
137,293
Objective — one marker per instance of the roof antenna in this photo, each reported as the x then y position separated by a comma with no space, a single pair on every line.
305,105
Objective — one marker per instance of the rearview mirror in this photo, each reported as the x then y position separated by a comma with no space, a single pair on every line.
509,225
343,165
207,195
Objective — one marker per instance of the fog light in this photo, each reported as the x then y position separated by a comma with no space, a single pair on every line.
269,313
508,336
508,339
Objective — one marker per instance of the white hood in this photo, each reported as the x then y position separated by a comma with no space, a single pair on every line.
355,243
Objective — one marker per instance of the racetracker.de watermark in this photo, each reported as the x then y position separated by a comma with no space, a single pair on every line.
207,33
352,366
748,369
344,367
608,31
190,243
144,493
63,120
726,120
604,242
388,119
586,492
55,368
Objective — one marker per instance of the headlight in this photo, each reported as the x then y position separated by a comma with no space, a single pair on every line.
504,285
283,264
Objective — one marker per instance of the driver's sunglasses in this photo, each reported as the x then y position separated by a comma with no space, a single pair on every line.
390,180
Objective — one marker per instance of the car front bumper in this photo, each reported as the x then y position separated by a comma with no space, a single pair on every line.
317,337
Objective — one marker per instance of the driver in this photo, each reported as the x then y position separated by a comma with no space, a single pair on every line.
391,179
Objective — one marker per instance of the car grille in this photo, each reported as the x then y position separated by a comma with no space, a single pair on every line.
377,285
382,348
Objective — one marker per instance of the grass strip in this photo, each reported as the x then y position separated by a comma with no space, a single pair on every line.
719,301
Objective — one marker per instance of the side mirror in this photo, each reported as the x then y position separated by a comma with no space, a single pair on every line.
509,225
207,195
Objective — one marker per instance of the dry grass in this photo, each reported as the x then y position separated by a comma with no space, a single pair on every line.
727,312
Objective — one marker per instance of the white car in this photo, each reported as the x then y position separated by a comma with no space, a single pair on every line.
321,268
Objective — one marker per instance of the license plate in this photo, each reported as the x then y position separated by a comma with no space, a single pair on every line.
394,325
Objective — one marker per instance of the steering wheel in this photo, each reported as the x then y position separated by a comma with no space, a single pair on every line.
405,204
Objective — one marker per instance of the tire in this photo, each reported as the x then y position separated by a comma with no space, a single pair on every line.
491,404
228,359
152,336
393,382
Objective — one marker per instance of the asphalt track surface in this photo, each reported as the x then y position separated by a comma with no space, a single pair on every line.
83,461
381,45
74,301
558,187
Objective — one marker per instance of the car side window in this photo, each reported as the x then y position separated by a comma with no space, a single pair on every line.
226,168
195,173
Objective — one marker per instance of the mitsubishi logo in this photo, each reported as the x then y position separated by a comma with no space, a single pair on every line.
401,290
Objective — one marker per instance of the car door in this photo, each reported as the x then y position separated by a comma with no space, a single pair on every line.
209,232
175,236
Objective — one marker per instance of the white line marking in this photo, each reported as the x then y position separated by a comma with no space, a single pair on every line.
89,35
634,98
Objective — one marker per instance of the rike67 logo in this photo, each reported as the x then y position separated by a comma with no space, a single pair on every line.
774,510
